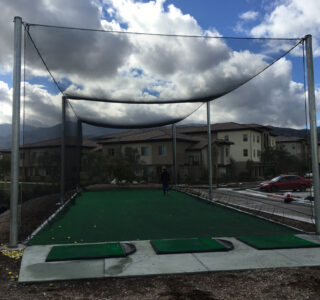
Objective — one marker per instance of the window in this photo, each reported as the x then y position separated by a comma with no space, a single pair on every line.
33,155
226,138
111,151
258,139
144,151
245,137
258,153
162,150
293,147
245,152
227,151
254,138
193,160
254,152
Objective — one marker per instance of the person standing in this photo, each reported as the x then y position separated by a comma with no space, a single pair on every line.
165,178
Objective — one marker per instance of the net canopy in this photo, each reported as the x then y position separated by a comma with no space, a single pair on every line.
123,80
144,80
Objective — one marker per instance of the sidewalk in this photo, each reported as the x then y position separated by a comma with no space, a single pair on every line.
146,262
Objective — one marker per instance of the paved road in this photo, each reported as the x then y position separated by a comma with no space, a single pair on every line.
265,202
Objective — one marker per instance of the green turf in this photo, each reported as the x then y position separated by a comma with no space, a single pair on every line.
276,242
128,215
72,252
186,245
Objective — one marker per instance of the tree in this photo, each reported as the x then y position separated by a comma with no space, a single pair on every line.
5,166
98,167
279,161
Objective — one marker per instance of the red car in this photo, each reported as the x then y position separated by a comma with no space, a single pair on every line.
286,182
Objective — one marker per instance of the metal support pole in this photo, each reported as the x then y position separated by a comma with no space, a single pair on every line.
79,151
209,151
63,150
14,193
174,153
313,131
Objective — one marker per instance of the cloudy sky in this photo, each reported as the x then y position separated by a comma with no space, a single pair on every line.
147,68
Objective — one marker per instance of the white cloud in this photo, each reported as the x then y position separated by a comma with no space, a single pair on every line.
270,99
127,67
41,107
6,103
292,18
249,15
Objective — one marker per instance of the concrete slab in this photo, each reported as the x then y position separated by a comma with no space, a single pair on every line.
35,268
146,262
243,257
304,256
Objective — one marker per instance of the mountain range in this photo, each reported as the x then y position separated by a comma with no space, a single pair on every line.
34,134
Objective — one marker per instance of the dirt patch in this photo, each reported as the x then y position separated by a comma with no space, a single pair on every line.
31,214
289,283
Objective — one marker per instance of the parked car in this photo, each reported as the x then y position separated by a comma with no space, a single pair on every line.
286,182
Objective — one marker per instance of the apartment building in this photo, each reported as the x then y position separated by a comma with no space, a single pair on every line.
41,161
248,142
155,148
296,146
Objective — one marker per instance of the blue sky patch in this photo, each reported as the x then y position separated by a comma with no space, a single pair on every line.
150,92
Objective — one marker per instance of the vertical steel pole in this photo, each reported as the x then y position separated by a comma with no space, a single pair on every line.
63,150
13,239
313,130
209,151
79,151
174,153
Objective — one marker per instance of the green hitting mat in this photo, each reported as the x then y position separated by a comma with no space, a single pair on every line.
192,245
90,251
268,242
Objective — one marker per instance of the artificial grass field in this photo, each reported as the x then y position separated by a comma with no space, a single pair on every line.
128,215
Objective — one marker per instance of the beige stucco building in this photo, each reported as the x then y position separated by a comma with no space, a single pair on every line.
248,142
41,161
296,146
155,148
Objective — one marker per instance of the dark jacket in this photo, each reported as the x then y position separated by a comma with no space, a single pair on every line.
165,177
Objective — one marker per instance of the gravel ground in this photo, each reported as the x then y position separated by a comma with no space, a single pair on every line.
289,283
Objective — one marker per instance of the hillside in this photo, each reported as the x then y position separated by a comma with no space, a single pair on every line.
33,134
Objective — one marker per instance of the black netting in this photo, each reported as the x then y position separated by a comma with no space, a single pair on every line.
73,146
40,150
126,80
43,133
121,115
118,67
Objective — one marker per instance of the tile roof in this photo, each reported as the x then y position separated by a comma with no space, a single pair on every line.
283,139
145,135
204,143
70,141
229,126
